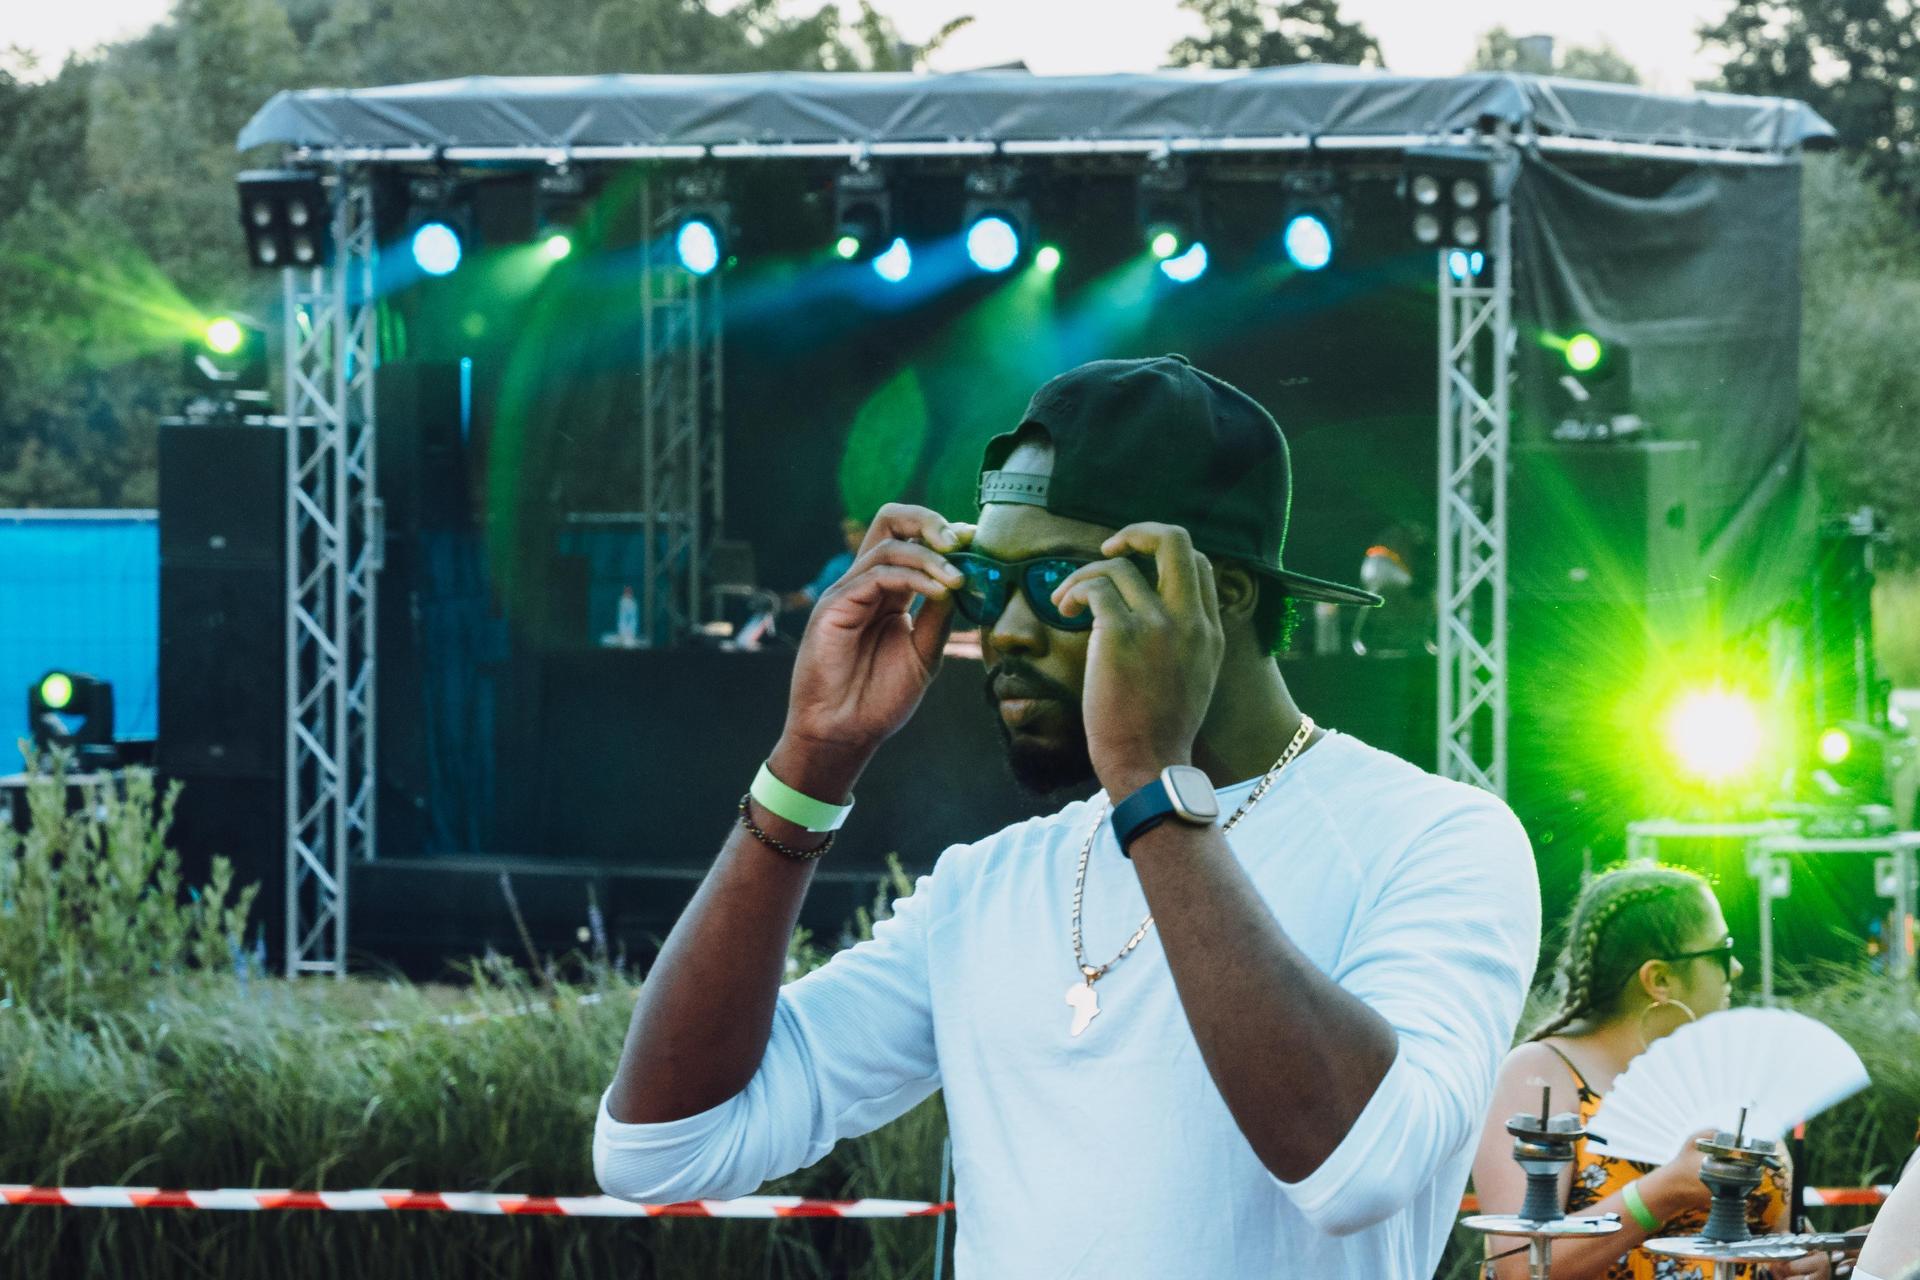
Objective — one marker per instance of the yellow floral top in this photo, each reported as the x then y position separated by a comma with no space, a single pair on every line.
1597,1176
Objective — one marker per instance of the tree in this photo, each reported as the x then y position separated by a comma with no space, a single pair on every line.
1501,50
1275,33
1856,62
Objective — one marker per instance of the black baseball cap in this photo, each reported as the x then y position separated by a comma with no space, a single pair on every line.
1158,439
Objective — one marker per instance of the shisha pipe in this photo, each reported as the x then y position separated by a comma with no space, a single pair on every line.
1734,1166
1543,1146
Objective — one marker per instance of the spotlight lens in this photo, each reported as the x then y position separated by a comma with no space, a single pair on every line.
1188,267
436,249
992,243
303,249
698,244
847,247
224,336
1426,228
1584,353
1714,734
1425,188
1466,193
1466,231
297,215
1308,242
261,213
894,264
269,253
56,691
1836,745
1164,244
558,246
1048,259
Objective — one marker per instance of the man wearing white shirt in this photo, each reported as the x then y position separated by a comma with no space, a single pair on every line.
1236,1015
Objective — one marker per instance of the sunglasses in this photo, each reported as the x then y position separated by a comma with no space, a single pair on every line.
1721,951
990,585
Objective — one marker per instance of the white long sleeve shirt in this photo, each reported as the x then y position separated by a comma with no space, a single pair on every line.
1112,1155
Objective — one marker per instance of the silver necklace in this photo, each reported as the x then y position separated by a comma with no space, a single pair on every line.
1081,997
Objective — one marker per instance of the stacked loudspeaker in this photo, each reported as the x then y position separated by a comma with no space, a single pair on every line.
1604,568
222,651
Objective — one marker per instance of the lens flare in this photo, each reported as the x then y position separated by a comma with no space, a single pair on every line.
1714,734
224,336
1836,744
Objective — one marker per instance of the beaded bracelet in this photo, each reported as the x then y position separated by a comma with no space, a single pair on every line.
784,850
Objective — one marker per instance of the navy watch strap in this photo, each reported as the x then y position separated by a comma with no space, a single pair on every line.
1140,813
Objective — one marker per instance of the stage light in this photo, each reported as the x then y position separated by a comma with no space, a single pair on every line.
436,248
284,213
996,219
1451,193
558,246
56,690
992,243
1584,353
1164,244
1047,259
1836,744
894,264
1188,267
1713,734
1308,241
862,215
1464,265
1169,207
224,336
697,244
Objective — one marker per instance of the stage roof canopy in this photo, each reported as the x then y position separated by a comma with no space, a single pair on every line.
1293,108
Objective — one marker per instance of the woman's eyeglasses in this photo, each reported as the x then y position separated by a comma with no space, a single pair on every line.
991,583
1721,952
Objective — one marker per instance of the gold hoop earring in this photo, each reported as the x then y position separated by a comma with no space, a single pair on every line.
1662,1003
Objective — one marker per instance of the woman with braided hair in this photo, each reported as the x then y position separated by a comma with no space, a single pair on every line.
1647,952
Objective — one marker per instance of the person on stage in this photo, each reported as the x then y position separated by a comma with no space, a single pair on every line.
853,532
1235,1014
1647,951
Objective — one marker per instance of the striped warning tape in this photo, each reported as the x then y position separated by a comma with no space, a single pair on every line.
481,1202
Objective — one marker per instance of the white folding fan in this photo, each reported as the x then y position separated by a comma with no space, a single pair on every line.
1783,1067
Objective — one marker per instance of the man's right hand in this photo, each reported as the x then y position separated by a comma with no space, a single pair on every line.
865,661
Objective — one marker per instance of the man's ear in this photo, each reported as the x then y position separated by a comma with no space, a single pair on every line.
1239,592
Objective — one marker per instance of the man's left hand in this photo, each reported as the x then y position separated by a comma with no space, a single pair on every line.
1154,656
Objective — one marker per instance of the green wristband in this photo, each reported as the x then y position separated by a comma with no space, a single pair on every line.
802,810
1638,1207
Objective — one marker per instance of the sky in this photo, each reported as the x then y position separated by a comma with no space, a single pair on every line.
1066,37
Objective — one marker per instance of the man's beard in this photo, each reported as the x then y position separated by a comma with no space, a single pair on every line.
1042,768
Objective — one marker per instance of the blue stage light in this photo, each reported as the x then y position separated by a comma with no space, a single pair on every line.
894,263
698,244
992,243
436,248
1463,264
1187,267
1308,241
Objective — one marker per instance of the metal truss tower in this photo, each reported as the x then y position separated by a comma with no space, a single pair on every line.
333,559
1476,356
680,415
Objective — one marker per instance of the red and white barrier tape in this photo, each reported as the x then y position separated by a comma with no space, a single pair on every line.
482,1202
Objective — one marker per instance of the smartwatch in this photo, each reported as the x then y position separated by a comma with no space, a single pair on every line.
1181,792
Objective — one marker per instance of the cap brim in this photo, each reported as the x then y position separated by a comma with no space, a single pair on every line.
1299,586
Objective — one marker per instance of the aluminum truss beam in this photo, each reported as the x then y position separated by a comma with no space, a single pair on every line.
680,416
333,559
1476,355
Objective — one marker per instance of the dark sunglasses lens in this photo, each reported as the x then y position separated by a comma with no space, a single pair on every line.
983,597
1040,579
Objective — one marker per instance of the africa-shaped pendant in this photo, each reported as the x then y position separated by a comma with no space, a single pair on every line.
1085,1004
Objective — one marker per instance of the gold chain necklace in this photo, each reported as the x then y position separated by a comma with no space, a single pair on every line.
1080,996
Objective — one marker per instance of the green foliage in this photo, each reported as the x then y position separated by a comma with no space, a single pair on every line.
1274,33
1501,50
90,901
1856,62
1859,381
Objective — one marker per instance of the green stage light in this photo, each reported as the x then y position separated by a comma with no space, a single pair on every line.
1584,353
1714,734
1048,259
224,336
558,246
56,691
847,247
1164,244
1836,744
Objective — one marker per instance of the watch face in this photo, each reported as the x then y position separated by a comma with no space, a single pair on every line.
1192,793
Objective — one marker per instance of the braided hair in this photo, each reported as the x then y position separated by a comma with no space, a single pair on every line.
1624,918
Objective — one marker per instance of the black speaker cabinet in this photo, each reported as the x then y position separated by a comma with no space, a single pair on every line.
222,494
421,453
